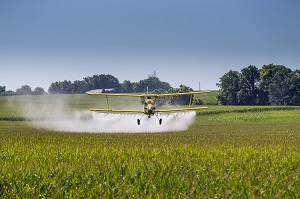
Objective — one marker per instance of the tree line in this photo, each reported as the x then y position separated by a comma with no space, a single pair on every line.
108,83
24,90
270,85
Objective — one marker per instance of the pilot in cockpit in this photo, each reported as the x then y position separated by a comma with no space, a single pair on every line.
148,100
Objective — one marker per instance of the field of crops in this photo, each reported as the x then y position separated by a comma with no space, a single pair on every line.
228,152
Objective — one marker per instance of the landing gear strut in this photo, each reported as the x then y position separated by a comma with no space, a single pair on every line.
159,120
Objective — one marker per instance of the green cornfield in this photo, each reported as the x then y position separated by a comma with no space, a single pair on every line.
228,152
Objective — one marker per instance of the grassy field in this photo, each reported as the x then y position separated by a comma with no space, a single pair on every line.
208,98
229,152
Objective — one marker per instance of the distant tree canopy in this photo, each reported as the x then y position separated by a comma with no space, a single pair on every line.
88,83
270,85
26,90
2,89
152,82
103,81
39,91
61,87
107,82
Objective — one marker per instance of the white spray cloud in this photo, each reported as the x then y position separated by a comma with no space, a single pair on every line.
55,114
83,121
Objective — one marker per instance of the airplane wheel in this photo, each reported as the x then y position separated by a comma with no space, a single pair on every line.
138,121
160,121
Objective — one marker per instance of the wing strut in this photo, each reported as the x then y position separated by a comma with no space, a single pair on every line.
107,102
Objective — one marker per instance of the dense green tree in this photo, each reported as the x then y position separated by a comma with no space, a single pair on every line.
248,93
80,86
38,91
64,87
2,89
272,78
54,88
152,83
102,82
126,87
295,88
270,85
266,75
229,85
24,90
279,90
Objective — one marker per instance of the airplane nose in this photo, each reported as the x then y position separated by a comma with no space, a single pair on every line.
149,110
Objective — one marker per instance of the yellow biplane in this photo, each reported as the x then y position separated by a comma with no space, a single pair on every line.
148,101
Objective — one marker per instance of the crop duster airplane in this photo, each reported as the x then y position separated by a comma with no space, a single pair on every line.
148,101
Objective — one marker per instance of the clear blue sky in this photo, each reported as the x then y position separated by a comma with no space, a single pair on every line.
183,41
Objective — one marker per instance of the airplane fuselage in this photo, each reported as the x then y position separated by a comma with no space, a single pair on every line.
149,106
149,110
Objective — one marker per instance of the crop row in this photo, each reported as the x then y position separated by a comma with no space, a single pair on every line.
207,162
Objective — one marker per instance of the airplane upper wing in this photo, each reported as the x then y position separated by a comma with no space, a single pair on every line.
186,93
118,94
148,95
116,111
181,109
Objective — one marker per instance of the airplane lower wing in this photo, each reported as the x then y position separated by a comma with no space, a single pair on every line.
140,111
181,109
148,95
116,111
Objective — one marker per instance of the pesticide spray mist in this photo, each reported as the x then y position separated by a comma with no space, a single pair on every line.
115,123
57,116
